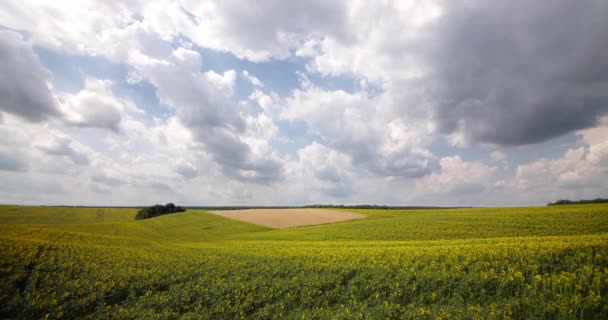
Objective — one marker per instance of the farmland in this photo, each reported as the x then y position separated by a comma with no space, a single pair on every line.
289,218
496,263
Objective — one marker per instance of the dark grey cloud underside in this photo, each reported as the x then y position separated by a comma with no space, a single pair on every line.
402,164
520,72
187,171
235,157
62,147
23,89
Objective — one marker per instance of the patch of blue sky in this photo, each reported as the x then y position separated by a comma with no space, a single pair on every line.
280,75
283,77
143,94
345,83
517,155
551,149
442,148
70,71
295,136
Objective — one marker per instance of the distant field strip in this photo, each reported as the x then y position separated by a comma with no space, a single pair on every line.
289,218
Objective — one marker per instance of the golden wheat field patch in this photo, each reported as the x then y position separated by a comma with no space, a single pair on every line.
289,218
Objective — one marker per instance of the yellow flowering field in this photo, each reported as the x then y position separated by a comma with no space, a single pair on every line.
505,263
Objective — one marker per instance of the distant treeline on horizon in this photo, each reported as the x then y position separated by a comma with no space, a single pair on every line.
566,202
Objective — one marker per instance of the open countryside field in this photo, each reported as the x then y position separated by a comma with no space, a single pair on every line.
289,218
495,263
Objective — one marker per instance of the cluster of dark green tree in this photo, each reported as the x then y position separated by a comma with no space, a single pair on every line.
565,201
158,210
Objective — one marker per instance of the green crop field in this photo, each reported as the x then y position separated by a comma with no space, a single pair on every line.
495,263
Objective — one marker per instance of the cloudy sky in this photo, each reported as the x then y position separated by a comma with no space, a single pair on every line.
272,102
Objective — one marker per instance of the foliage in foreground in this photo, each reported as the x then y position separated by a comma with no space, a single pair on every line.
157,210
224,269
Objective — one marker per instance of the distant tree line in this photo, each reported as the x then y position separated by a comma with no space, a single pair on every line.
158,210
565,202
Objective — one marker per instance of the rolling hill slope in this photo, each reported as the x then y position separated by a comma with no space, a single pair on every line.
460,263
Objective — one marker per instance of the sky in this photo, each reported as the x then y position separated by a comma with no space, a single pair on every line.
271,102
